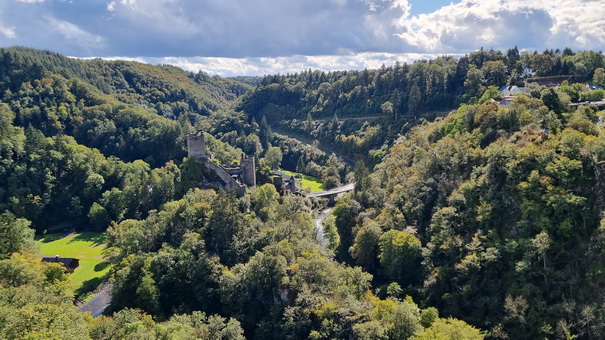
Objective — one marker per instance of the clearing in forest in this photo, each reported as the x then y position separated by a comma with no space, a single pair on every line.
87,247
307,183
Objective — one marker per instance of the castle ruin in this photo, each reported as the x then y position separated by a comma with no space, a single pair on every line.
233,176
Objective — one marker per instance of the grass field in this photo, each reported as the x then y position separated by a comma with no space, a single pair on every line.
308,183
87,247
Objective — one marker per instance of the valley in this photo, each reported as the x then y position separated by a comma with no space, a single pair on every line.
454,210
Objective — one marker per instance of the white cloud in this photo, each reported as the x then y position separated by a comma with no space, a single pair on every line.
72,32
228,67
30,1
250,29
501,24
8,32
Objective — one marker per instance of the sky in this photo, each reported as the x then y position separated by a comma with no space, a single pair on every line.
256,37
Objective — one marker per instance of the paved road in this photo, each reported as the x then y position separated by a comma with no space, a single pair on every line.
97,305
598,102
351,118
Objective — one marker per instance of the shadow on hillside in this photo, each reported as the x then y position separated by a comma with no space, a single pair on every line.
49,237
91,285
101,266
89,236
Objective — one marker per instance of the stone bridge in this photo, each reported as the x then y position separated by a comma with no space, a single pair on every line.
332,193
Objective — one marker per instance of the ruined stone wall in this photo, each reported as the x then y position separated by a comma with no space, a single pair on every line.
228,181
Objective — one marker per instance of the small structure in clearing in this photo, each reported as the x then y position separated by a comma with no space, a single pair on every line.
69,263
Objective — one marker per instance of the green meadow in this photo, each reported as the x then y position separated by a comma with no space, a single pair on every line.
307,183
88,248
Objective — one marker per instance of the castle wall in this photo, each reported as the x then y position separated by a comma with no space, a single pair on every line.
228,181
196,149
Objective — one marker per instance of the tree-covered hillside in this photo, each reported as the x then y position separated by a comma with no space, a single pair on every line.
487,222
357,112
492,215
165,88
80,139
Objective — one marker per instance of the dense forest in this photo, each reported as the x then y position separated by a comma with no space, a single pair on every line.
469,220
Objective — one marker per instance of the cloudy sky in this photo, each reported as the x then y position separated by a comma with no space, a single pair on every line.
255,37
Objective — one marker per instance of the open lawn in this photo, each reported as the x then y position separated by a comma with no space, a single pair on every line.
87,247
307,183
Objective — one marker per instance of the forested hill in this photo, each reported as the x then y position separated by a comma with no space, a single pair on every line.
126,109
491,217
168,89
54,111
324,106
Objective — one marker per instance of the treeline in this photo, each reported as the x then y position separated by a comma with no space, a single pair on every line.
97,141
409,89
491,215
167,89
75,152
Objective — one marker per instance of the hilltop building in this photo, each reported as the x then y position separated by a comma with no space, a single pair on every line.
234,176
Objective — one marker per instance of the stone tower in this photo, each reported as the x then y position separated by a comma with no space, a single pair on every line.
196,145
248,166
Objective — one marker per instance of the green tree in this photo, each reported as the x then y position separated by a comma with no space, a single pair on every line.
365,247
345,213
542,64
98,216
450,329
387,108
309,123
400,256
147,295
473,82
15,235
362,177
414,99
273,158
599,76
552,101
266,201
224,225
495,72
490,93
265,133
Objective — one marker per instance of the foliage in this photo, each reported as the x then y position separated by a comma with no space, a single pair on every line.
15,235
487,208
481,215
449,329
